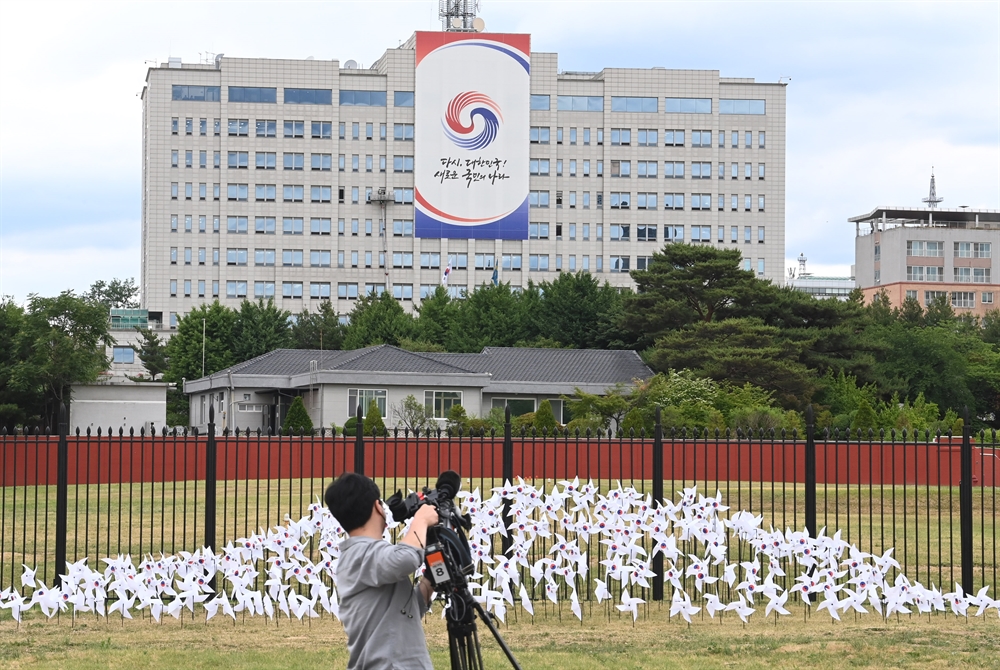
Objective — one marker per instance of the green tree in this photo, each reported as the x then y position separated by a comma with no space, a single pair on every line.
258,328
685,284
545,419
578,311
373,420
152,352
118,293
184,350
458,419
17,405
321,329
991,328
489,316
377,320
605,409
939,312
410,413
63,342
436,317
864,418
297,421
738,351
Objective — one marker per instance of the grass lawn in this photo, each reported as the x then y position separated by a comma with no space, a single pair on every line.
598,642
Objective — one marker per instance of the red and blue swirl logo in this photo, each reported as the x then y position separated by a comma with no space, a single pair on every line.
472,104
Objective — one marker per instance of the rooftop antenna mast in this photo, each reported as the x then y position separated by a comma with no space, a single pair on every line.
460,16
932,200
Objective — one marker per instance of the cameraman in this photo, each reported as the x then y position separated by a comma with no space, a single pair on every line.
379,606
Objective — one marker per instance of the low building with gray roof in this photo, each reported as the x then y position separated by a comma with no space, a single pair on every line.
257,393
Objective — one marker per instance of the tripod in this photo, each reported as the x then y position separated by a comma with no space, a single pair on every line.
463,638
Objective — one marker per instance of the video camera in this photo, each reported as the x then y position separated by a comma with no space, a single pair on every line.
447,554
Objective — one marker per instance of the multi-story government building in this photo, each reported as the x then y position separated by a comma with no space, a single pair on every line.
930,253
310,180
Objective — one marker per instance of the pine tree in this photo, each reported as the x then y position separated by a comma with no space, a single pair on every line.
297,421
545,420
373,420
864,418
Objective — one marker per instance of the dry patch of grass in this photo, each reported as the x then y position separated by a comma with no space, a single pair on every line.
597,642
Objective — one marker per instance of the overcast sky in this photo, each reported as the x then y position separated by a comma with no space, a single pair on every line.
879,93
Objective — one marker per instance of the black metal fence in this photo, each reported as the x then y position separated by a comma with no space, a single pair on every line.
933,498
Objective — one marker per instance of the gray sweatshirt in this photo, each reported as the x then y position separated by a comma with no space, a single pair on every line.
380,607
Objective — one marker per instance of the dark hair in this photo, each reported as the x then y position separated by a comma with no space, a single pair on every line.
350,498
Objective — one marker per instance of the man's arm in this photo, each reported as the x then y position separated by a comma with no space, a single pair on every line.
416,536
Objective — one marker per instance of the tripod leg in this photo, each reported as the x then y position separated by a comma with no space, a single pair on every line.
496,634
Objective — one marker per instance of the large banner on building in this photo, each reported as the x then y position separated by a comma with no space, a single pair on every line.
471,154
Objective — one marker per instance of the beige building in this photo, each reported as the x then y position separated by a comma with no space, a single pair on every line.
926,253
293,179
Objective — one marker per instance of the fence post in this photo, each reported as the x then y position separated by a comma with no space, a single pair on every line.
965,502
658,501
507,474
810,472
211,473
62,494
359,442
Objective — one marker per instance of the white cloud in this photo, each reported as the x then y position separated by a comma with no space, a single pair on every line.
47,272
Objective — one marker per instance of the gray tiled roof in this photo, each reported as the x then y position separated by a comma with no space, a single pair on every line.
562,366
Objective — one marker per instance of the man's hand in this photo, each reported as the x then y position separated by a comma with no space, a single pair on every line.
425,516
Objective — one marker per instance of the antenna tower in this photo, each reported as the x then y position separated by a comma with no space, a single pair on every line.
932,200
458,15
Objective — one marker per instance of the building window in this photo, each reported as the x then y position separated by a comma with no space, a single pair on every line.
644,169
538,231
701,233
538,262
673,138
400,195
291,289
701,170
511,262
620,232
701,138
239,127
924,248
252,94
963,275
402,259
633,104
236,289
402,228
673,170
437,404
538,135
404,163
982,250
402,291
321,130
236,256
291,257
319,290
621,137
402,131
580,103
987,298
320,193
963,299
688,106
741,106
538,102
673,233
291,225
536,166
620,200
760,203
363,398
264,257
236,224
538,199
645,233
673,201
292,193
123,355
645,201
619,263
